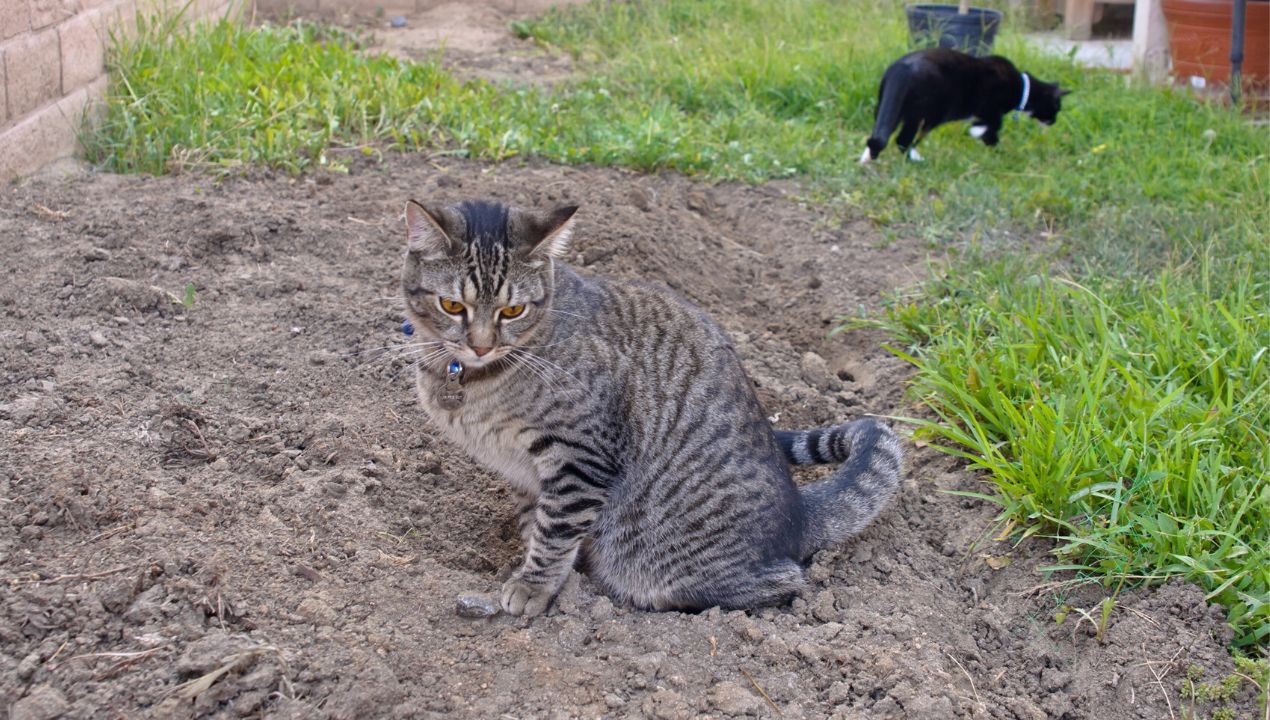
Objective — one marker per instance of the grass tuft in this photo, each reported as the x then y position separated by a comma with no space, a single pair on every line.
1130,417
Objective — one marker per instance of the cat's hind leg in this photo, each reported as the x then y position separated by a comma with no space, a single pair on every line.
991,128
906,141
775,584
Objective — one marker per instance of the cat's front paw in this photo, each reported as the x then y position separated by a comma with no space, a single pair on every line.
524,598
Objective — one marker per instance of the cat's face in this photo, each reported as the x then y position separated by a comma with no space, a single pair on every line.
477,277
1046,101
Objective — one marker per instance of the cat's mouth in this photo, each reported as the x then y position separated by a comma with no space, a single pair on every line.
470,357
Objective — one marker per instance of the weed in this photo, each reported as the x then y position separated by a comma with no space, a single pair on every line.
1128,416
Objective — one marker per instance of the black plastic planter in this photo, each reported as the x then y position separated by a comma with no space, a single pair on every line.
942,26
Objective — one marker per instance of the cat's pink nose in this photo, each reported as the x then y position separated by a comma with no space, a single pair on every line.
481,351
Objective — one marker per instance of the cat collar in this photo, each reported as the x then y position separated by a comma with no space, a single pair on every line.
450,396
1027,90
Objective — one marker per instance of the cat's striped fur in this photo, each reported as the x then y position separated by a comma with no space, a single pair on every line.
624,421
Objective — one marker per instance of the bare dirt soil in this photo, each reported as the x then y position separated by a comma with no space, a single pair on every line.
471,38
224,502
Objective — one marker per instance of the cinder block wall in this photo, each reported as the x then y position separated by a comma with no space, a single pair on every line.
52,69
336,7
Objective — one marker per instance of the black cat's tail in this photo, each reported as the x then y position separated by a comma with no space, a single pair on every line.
844,503
890,101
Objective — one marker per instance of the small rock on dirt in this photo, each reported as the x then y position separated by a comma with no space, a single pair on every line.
649,664
475,605
208,653
730,698
44,703
640,199
815,372
316,611
613,700
28,666
602,609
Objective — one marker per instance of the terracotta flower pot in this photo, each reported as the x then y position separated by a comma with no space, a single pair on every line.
1199,39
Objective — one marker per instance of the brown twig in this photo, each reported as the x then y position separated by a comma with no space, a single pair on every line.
107,533
762,692
39,209
966,672
124,659
207,449
60,648
73,576
1159,677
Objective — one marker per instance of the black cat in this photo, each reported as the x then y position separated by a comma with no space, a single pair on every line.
928,88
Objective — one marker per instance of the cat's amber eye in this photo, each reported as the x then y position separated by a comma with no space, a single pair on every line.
512,311
451,306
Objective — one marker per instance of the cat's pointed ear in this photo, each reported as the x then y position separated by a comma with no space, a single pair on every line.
426,232
550,232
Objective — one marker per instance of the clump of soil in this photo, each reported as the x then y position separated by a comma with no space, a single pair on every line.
224,503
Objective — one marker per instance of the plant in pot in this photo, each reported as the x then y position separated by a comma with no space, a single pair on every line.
961,27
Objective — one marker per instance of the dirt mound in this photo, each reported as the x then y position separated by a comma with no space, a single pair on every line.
219,499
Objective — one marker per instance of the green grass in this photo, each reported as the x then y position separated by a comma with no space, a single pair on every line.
1096,340
1129,418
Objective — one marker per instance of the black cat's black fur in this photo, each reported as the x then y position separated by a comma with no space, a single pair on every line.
928,88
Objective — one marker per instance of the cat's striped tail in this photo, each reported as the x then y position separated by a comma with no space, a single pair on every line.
844,503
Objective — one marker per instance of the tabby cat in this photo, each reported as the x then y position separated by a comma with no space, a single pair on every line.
622,418
928,88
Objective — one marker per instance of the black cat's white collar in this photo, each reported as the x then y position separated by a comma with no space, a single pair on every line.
1027,90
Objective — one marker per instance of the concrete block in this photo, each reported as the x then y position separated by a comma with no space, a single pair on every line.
538,7
16,18
366,7
289,7
48,134
4,94
33,72
46,13
213,11
83,49
123,20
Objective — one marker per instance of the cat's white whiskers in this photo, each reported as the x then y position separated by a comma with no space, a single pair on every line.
523,362
561,341
393,352
421,361
520,363
394,346
529,362
546,369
